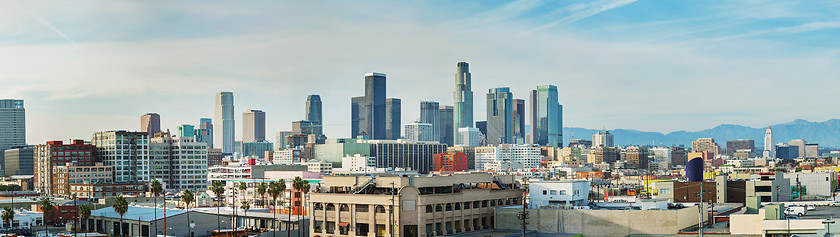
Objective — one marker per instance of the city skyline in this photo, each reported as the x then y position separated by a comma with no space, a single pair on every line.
687,50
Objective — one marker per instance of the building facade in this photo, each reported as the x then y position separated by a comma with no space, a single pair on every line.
462,112
19,161
469,137
179,163
253,125
430,113
546,117
499,116
419,131
393,114
404,154
452,162
65,175
602,139
314,113
204,133
733,146
56,153
12,124
127,151
224,130
447,127
150,123
705,144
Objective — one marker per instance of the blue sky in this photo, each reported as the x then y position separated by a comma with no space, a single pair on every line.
660,66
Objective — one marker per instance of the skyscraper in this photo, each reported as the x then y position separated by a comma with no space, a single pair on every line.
223,130
470,137
375,111
769,144
447,131
463,109
253,125
12,124
393,113
314,113
602,139
519,121
357,116
499,116
150,123
204,133
186,130
430,113
419,132
546,117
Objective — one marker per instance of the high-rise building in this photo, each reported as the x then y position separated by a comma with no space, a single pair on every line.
253,125
600,155
417,131
18,161
469,137
304,127
800,146
280,139
482,127
56,153
528,156
150,123
602,139
204,133
393,114
357,116
546,117
705,144
430,113
256,148
447,128
127,151
519,121
769,144
463,97
374,106
404,154
224,130
12,124
314,113
499,116
186,130
178,162
636,157
740,144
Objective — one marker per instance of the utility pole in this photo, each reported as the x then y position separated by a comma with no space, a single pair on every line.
798,187
700,210
524,214
393,192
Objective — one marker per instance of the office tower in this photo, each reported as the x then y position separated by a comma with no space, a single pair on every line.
357,116
469,137
127,151
204,133
179,162
741,144
392,118
405,154
304,127
527,156
519,121
482,127
705,144
314,113
602,139
499,116
186,130
256,148
375,111
150,123
463,109
812,150
447,128
223,130
546,117
800,145
12,124
253,125
430,113
417,131
769,144
636,157
280,139
18,161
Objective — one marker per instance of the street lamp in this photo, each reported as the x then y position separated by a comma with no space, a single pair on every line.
828,223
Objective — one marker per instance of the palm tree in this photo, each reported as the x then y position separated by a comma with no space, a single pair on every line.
297,184
157,190
188,198
275,189
218,188
245,206
46,208
261,190
8,216
121,207
84,215
242,187
305,191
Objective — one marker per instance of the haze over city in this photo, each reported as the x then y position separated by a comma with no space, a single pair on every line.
647,65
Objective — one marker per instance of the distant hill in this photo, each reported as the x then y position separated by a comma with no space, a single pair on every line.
827,134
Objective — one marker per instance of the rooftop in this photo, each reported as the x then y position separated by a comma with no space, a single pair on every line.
135,213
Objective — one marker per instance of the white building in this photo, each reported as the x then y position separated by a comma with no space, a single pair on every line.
127,151
661,154
358,164
468,137
25,218
503,166
288,156
318,166
769,144
604,139
558,193
528,156
178,162
417,131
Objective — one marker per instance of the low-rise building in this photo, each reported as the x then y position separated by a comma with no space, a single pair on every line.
101,190
450,162
71,173
558,193
412,205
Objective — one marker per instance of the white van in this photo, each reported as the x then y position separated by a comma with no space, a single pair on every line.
795,210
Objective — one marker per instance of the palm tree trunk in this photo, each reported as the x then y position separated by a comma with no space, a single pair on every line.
121,226
155,198
164,215
274,220
289,222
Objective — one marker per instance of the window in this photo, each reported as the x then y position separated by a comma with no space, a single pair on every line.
664,191
380,209
457,206
545,192
429,209
448,207
361,208
467,205
553,192
330,207
344,207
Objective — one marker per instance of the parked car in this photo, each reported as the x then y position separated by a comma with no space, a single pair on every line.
795,211
811,208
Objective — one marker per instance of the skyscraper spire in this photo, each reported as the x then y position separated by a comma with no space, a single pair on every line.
769,145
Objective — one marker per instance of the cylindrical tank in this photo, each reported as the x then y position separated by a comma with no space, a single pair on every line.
694,170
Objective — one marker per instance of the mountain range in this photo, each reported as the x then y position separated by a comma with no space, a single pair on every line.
826,134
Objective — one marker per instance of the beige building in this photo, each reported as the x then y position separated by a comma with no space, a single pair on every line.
63,176
409,205
705,144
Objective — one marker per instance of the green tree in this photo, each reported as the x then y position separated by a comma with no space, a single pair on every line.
8,216
157,190
188,198
218,188
47,208
245,206
261,190
242,187
275,189
84,215
297,185
121,207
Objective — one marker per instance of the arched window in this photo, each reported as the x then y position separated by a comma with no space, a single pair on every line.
449,207
457,206
438,208
330,207
319,206
428,208
344,207
380,209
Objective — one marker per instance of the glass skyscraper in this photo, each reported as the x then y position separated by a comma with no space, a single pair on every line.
463,109
500,116
546,117
12,124
430,113
223,130
314,113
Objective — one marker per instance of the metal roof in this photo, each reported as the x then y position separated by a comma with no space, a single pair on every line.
134,213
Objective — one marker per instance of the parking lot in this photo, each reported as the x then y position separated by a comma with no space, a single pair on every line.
823,212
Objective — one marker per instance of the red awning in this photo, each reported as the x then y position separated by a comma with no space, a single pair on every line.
344,224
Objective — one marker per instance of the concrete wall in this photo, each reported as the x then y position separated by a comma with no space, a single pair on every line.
601,222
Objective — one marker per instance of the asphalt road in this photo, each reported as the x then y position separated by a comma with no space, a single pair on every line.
823,212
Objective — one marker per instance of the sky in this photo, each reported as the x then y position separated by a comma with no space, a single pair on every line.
661,66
